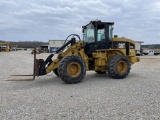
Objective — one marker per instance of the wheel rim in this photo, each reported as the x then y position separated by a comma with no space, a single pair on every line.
121,66
73,69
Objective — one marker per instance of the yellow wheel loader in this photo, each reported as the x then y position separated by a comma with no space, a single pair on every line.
4,46
38,51
98,51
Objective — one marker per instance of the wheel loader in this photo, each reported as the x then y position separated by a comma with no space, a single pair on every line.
99,51
38,51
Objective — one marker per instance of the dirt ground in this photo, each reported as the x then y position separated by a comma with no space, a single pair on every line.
97,97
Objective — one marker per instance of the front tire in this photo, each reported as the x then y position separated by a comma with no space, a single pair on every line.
72,69
118,66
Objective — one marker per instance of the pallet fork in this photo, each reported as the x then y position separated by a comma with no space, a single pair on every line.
35,70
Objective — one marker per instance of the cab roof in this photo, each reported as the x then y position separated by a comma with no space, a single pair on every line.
99,23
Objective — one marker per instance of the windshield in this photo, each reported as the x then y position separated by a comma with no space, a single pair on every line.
89,34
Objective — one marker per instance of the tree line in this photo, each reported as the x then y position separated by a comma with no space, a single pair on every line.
27,44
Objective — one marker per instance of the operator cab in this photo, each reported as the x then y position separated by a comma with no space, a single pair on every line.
97,35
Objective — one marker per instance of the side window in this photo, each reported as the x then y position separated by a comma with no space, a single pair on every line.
110,32
100,35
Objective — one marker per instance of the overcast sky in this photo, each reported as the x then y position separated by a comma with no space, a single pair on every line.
42,20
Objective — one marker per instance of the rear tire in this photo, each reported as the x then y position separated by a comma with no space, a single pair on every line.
118,66
72,69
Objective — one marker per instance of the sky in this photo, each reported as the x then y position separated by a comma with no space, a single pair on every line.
43,20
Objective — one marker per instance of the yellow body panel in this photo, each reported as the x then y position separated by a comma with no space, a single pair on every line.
99,59
123,40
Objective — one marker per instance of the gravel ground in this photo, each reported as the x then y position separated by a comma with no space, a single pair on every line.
98,97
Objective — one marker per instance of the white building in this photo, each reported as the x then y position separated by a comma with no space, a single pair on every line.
54,44
138,47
